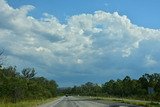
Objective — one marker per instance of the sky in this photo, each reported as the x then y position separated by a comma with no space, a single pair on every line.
77,41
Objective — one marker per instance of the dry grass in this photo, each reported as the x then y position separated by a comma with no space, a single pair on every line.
33,103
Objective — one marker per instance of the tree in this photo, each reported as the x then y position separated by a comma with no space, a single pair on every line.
15,87
10,72
144,83
118,88
127,86
108,87
28,73
1,58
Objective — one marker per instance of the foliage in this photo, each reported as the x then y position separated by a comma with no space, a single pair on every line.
16,87
127,87
130,87
87,89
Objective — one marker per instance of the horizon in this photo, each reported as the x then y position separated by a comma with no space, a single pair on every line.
75,42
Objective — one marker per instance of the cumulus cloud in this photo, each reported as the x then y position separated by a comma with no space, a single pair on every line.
87,44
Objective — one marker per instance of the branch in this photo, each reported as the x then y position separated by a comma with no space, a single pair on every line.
1,57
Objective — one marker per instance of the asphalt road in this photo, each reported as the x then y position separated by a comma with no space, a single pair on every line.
82,102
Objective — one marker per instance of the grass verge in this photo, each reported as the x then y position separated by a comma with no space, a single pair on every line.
142,103
32,103
134,102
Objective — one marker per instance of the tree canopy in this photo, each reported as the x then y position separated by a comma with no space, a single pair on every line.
15,86
126,87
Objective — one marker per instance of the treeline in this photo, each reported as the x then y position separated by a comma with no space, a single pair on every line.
88,89
146,87
15,86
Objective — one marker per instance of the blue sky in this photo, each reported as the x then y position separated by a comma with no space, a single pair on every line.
140,12
84,40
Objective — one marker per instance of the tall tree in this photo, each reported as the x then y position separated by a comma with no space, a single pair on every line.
28,73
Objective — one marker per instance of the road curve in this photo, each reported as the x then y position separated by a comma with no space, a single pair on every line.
80,102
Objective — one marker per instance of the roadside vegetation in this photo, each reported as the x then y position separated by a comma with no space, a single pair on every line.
27,103
131,101
144,91
125,88
16,87
25,88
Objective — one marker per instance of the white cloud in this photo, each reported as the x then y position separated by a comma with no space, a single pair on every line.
79,61
95,43
150,61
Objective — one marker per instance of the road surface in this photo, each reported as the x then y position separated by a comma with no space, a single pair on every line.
82,102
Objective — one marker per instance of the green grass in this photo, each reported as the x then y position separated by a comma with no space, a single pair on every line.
134,102
33,103
129,101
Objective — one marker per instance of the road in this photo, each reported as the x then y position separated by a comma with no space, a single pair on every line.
82,102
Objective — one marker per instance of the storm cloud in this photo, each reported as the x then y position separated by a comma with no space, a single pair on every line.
88,47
